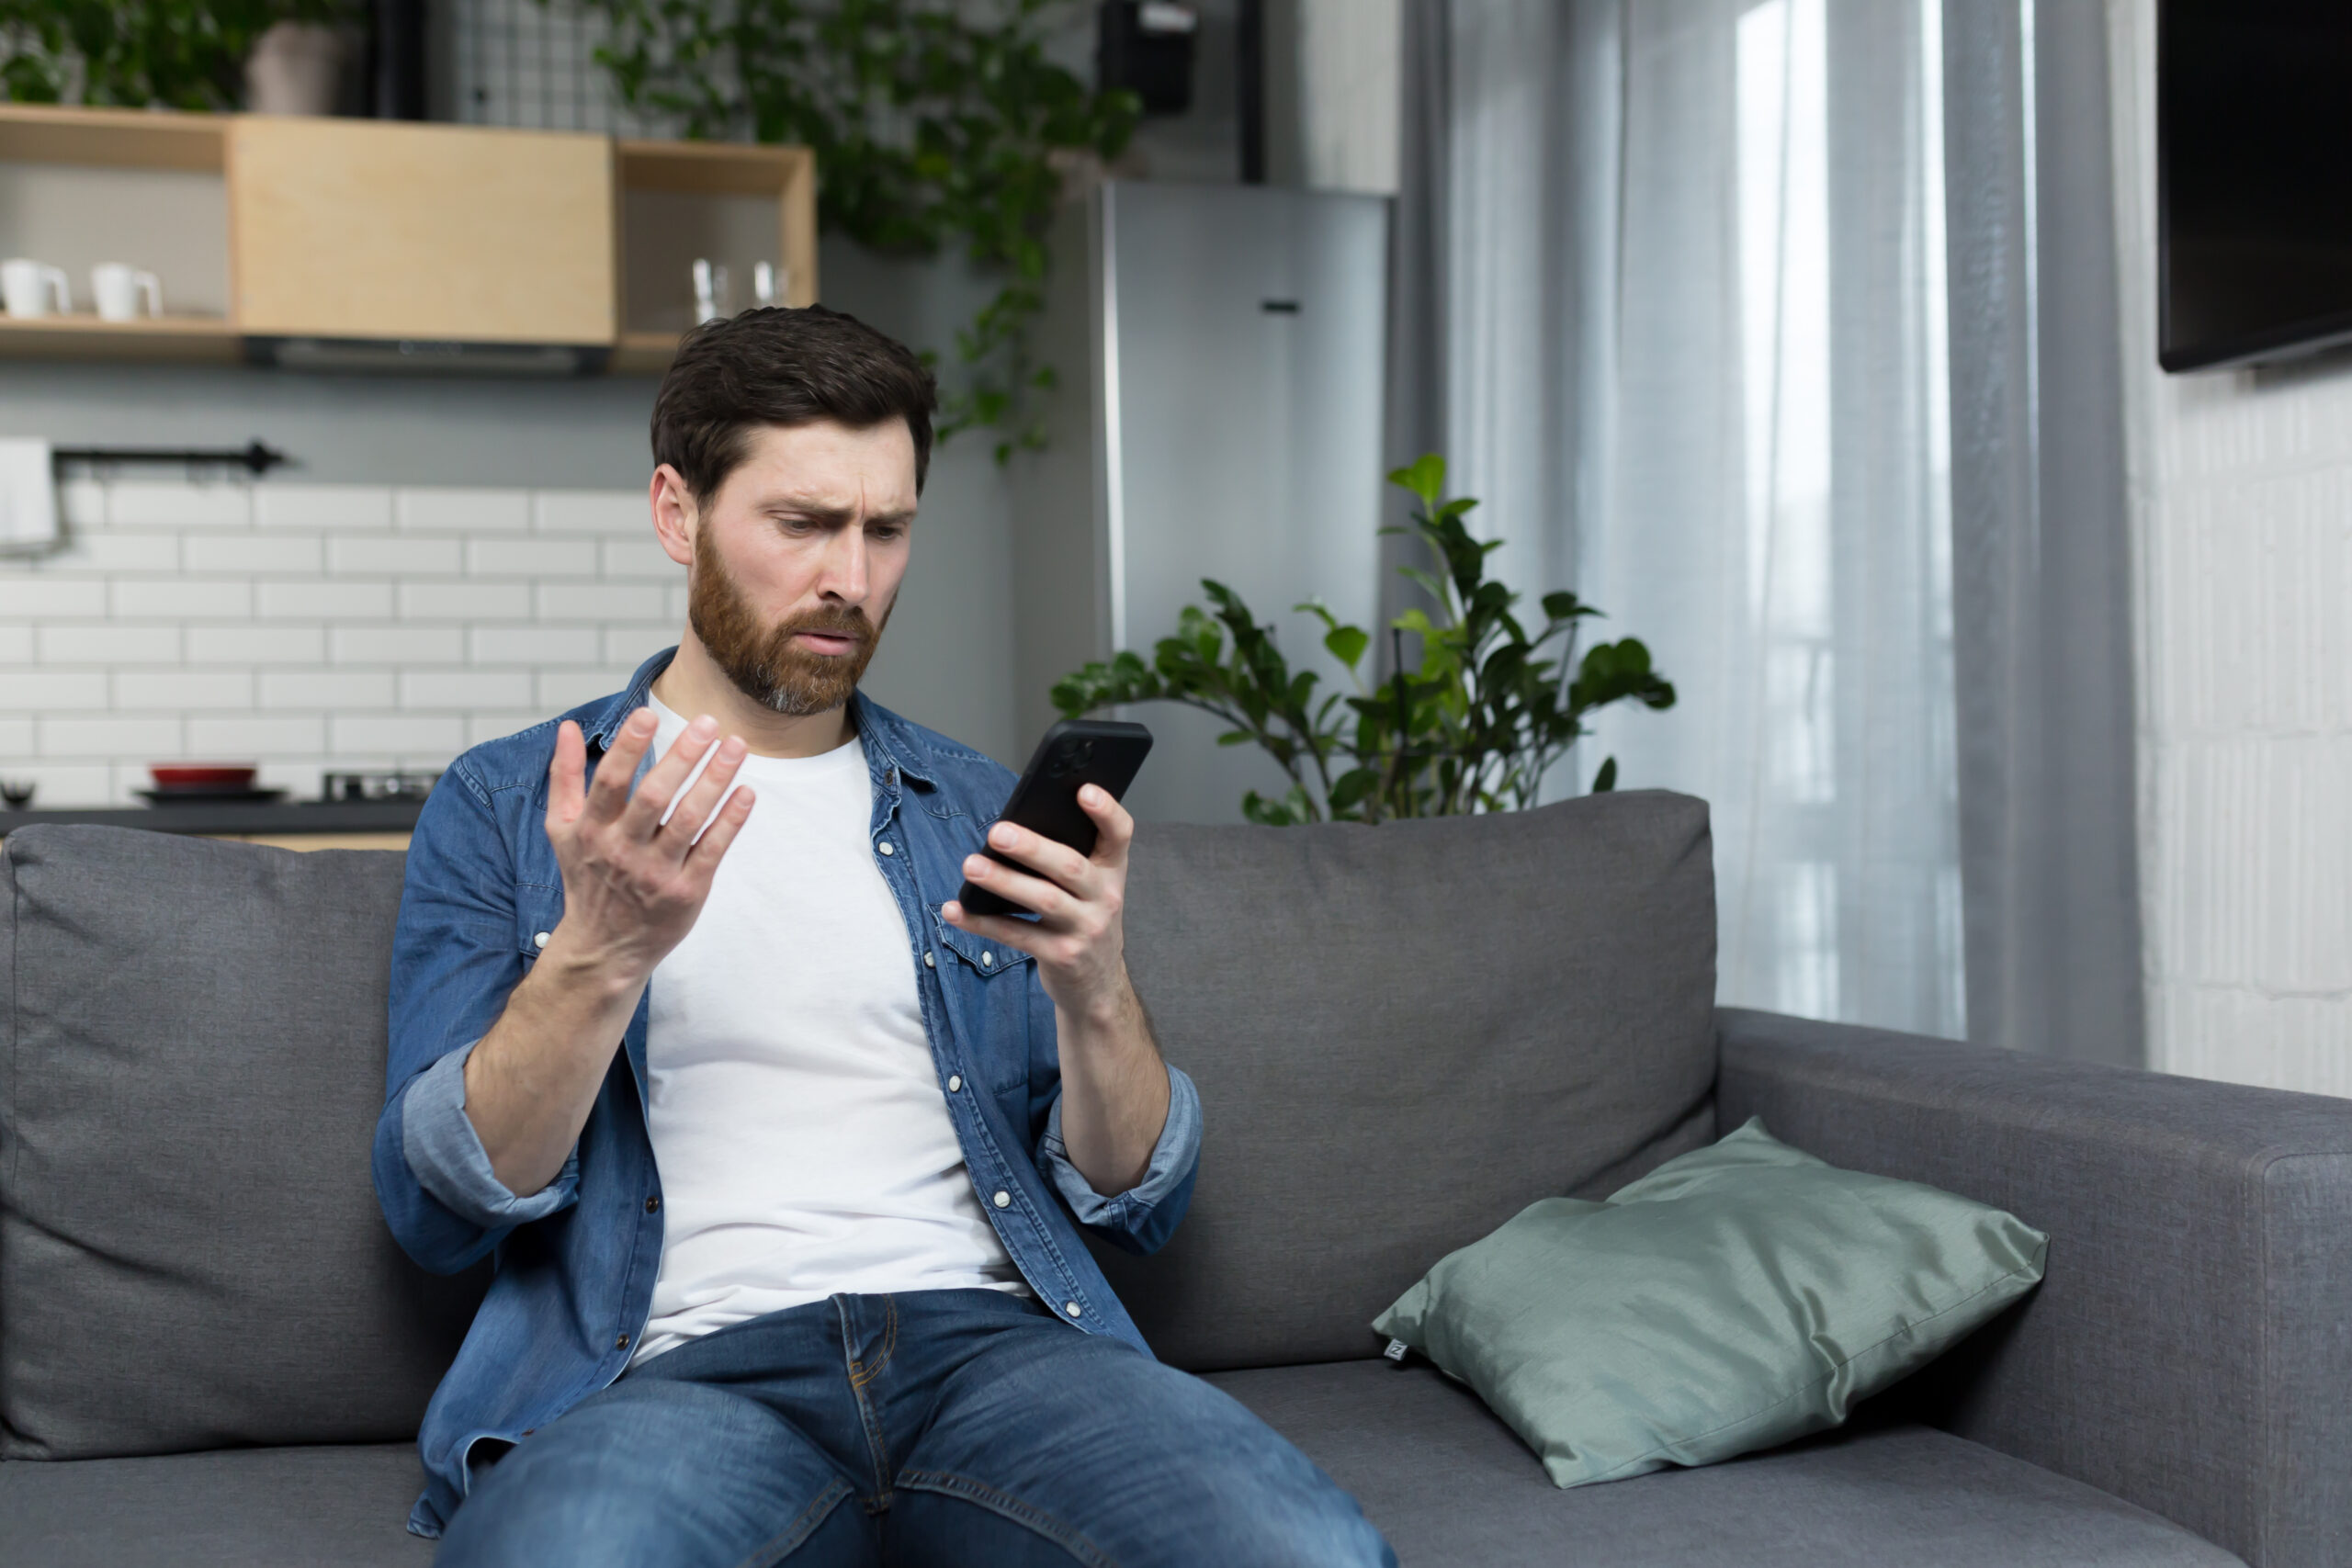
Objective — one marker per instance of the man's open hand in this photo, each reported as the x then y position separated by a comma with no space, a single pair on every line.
633,887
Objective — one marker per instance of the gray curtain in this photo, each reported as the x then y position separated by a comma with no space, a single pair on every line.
2040,551
1894,590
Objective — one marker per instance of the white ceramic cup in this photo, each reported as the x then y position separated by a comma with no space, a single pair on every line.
117,289
28,288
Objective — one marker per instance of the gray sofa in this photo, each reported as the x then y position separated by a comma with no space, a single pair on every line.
211,1352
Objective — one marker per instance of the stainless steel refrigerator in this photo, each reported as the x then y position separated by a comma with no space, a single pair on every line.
1221,355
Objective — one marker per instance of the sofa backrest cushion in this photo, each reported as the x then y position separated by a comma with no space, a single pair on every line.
1403,1035
191,1062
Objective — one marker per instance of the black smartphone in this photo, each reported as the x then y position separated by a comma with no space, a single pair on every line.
1075,752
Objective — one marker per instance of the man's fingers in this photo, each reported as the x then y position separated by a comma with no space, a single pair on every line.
705,856
1047,857
1033,893
1004,929
1115,829
567,773
642,818
694,811
608,794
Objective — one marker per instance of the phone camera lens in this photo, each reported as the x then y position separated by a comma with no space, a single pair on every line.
1069,757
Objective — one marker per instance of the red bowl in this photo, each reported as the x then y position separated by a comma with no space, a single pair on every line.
202,775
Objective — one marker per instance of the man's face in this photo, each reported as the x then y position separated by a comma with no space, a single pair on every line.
798,560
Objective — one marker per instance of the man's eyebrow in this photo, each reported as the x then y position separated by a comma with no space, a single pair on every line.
835,516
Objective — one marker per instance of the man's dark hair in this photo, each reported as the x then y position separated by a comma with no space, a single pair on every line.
782,366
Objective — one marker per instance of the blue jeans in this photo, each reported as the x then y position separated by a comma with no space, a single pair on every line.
962,1429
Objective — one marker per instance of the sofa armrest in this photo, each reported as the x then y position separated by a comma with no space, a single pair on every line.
2191,1347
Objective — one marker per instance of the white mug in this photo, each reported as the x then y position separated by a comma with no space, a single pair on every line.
117,289
26,287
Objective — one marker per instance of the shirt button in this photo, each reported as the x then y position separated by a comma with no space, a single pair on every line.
1002,1199
1070,1307
987,960
540,939
621,1343
928,962
954,1082
653,1205
886,849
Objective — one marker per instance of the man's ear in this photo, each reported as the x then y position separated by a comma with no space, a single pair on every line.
674,515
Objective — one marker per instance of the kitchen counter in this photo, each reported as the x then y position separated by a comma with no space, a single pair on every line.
302,824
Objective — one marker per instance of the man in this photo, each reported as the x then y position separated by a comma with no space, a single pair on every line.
780,1154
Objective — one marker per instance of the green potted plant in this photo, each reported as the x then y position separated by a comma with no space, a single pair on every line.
1476,727
177,54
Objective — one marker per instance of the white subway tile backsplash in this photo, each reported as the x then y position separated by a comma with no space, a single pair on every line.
81,503
560,690
327,690
26,597
181,599
333,600
158,502
535,645
494,726
640,560
249,552
463,689
363,555
110,642
106,550
463,510
530,557
182,690
633,645
308,626
599,602
256,645
464,601
436,736
323,506
66,783
82,738
592,511
256,736
398,645
55,691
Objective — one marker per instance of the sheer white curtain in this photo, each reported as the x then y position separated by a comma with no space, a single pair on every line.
1689,265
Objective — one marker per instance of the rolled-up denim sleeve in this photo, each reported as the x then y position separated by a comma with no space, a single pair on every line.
439,1142
1142,1218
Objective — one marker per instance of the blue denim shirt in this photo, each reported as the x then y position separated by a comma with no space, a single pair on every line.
575,1261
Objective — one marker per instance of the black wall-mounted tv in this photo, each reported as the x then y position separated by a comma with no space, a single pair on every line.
2254,156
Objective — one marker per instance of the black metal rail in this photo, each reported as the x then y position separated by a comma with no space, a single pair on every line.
253,457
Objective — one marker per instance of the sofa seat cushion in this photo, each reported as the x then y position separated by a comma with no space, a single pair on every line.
1450,1485
309,1507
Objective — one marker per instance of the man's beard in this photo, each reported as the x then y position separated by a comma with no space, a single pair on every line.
764,662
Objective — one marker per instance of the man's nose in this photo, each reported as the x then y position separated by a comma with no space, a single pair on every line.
846,576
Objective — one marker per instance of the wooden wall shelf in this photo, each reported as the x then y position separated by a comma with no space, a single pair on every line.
358,229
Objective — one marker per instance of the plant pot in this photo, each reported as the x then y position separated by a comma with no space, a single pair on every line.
295,68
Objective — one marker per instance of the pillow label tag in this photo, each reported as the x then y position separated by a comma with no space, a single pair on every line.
1396,1350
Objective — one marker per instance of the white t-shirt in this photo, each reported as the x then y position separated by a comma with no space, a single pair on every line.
798,1122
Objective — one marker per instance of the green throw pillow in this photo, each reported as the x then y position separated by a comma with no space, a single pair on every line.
1735,1298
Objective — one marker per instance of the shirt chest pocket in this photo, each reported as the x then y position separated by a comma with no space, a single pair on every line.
993,983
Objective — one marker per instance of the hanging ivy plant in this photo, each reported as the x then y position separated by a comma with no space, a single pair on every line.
179,54
936,124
